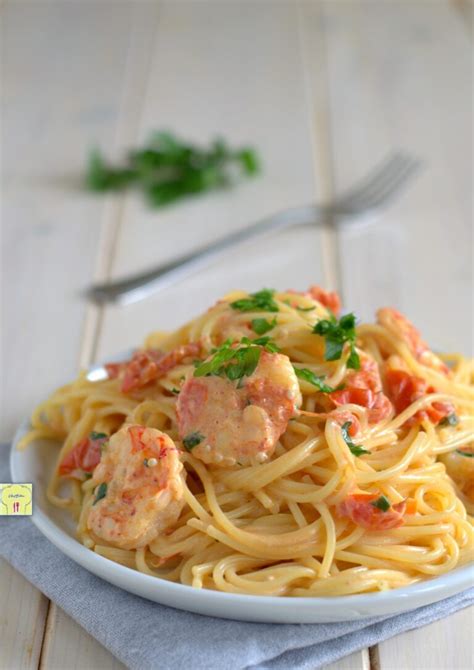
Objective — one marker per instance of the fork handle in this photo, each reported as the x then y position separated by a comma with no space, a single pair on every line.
142,285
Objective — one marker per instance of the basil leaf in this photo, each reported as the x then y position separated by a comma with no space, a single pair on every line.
100,493
97,436
311,378
262,326
381,503
262,301
355,449
450,420
336,334
466,454
192,440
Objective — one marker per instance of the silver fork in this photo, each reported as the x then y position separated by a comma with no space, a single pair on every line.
376,190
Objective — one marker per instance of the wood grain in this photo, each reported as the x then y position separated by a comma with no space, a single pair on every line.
22,617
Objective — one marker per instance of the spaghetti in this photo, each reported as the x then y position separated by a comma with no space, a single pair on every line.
271,447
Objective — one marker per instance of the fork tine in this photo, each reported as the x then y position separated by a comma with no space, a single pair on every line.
377,188
376,175
392,189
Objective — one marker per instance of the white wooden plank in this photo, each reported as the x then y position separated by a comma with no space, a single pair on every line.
234,69
22,617
441,645
73,648
394,83
62,78
62,75
359,660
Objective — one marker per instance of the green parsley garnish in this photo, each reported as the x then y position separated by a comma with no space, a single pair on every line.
262,326
169,169
236,361
97,436
381,503
355,449
262,301
336,334
192,440
311,378
467,454
306,309
100,493
174,390
450,420
87,475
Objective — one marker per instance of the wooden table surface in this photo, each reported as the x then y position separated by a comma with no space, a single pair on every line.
324,90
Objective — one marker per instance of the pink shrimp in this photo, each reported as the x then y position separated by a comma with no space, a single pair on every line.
139,492
401,327
223,424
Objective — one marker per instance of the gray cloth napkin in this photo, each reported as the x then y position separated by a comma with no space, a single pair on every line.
148,636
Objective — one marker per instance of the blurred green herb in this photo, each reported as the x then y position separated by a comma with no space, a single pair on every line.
168,169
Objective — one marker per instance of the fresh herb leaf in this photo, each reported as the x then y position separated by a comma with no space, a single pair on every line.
262,326
306,309
87,475
175,390
381,503
336,334
100,493
467,454
355,449
235,361
97,436
311,378
192,440
168,169
450,420
262,301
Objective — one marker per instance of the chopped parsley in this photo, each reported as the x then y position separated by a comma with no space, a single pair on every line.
306,309
262,301
168,169
355,449
262,326
381,503
450,420
235,361
100,493
175,390
336,334
311,378
467,454
192,440
97,436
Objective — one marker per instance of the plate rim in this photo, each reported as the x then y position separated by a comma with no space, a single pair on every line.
402,599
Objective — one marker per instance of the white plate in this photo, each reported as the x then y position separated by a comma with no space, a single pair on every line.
36,462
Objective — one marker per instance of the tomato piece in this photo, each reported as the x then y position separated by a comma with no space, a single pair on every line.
359,509
83,457
404,389
329,299
342,416
364,388
147,365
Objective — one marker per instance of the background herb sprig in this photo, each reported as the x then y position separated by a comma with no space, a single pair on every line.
169,169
